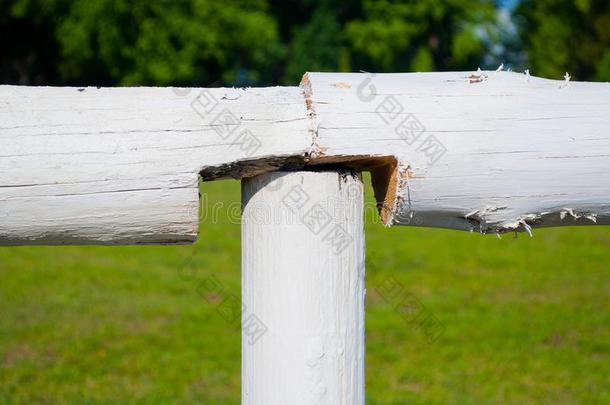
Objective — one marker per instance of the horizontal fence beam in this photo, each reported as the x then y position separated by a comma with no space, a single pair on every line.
489,152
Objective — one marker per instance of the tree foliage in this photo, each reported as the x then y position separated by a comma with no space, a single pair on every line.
567,36
156,42
422,35
262,42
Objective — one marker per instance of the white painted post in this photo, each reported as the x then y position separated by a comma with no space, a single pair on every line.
303,289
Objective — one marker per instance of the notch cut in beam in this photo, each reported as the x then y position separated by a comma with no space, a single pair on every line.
386,177
505,152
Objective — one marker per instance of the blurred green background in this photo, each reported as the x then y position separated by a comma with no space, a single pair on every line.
524,320
263,42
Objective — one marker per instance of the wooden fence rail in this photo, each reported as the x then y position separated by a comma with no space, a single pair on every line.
488,152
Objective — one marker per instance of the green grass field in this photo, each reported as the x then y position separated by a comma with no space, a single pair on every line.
524,320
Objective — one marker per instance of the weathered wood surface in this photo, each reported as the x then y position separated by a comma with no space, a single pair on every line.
303,289
121,165
484,151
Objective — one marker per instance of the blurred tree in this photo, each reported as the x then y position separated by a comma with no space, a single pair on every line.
313,31
316,46
156,42
566,36
28,51
236,42
407,35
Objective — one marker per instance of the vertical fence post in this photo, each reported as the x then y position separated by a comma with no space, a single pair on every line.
303,289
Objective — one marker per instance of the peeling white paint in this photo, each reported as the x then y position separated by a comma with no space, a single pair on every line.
107,166
524,145
569,211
